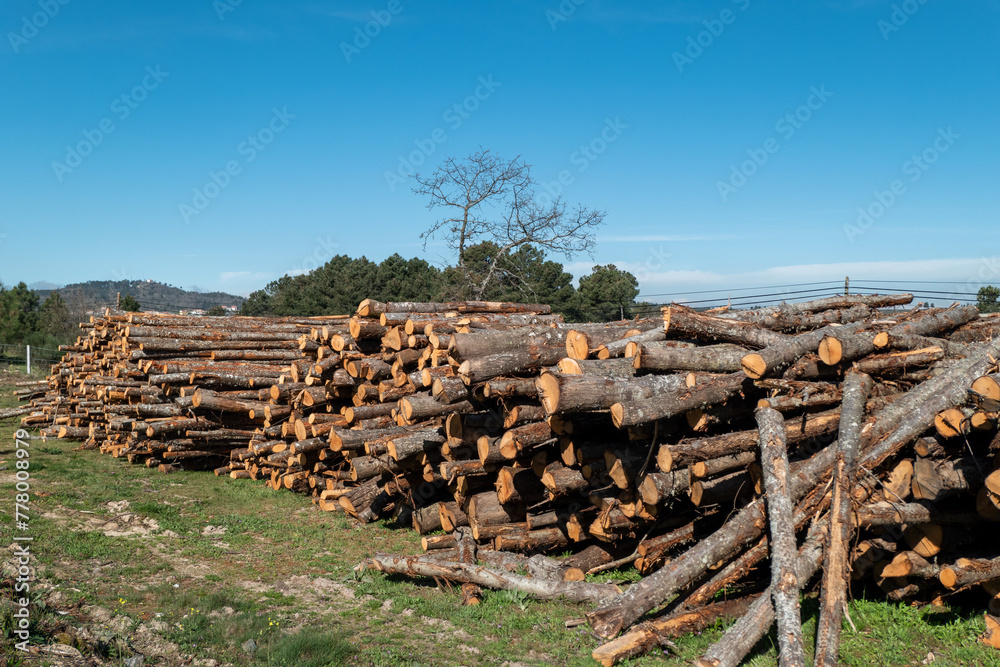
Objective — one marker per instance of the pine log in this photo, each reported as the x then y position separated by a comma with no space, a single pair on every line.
840,347
518,485
373,308
725,358
561,393
899,361
519,438
817,305
930,322
685,322
542,589
652,634
911,564
741,637
670,456
784,581
775,358
210,400
498,388
583,343
934,480
452,516
521,360
730,489
921,512
618,348
562,481
647,410
404,447
857,387
656,487
722,465
895,425
613,368
966,572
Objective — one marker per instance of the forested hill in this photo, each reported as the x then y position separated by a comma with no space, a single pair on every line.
150,295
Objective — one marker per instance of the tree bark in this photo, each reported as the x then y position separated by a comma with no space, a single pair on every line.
647,410
775,358
684,322
784,580
672,456
542,589
725,358
827,303
966,572
522,360
617,348
562,393
898,361
836,572
652,634
741,637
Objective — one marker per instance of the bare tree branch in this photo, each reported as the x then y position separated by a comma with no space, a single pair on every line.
496,200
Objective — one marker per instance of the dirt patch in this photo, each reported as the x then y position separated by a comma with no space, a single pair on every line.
183,567
309,592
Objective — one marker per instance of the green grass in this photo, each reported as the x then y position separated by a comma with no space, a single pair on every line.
212,593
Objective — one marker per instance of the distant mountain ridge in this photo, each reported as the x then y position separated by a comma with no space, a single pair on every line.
150,294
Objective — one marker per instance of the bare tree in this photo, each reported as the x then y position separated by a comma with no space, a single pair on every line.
496,200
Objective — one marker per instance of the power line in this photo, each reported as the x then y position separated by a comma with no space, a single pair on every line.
743,289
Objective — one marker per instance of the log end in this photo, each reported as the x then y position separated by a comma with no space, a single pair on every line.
951,423
753,365
508,446
618,414
987,386
831,351
547,385
569,366
925,539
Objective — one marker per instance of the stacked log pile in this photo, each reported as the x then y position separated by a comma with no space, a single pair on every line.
696,449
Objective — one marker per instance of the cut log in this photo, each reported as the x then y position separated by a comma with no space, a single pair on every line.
966,572
614,368
521,360
775,358
562,393
670,456
895,514
836,572
784,580
933,480
685,322
900,362
542,589
741,637
652,634
710,358
678,401
911,564
817,305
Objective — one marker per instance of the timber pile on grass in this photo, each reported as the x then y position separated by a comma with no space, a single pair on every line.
740,451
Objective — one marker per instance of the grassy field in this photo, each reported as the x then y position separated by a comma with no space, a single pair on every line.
188,568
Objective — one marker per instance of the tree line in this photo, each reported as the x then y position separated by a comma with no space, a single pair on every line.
500,226
526,275
26,320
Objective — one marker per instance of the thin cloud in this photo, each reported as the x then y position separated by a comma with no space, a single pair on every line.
959,272
666,238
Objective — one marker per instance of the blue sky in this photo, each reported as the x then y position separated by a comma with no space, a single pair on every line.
732,142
